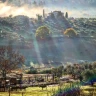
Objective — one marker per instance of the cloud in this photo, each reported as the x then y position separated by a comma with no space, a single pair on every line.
6,10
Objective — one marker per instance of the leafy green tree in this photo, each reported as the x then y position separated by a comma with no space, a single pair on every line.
54,71
69,69
94,70
94,64
88,74
45,72
58,71
42,32
90,66
86,66
32,72
61,69
70,32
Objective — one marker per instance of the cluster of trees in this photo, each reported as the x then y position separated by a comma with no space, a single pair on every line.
83,71
15,23
57,72
14,28
84,26
87,71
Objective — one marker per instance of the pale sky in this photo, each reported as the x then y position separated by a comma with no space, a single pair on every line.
6,10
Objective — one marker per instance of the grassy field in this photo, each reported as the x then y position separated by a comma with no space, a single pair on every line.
88,90
33,91
49,91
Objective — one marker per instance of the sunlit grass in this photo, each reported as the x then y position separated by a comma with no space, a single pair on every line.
33,91
49,91
88,90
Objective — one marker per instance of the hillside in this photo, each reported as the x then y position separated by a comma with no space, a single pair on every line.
20,30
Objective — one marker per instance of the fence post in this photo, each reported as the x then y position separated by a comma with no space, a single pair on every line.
22,93
9,90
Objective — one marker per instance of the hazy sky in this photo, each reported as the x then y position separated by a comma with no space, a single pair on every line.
74,11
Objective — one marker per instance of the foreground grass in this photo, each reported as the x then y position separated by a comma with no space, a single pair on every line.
88,90
33,91
49,91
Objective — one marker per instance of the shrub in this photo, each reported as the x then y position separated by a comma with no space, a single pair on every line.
70,32
42,32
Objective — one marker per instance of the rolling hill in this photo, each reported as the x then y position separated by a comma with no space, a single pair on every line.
57,50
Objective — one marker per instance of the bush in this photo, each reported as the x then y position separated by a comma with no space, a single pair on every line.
42,32
32,72
88,74
46,72
70,32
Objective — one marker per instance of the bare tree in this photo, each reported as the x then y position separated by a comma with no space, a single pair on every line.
9,60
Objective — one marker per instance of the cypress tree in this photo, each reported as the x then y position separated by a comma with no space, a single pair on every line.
66,15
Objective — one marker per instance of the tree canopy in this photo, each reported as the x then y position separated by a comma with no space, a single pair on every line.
70,32
88,74
42,32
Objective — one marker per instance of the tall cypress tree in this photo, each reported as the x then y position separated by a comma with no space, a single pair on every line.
66,15
43,13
